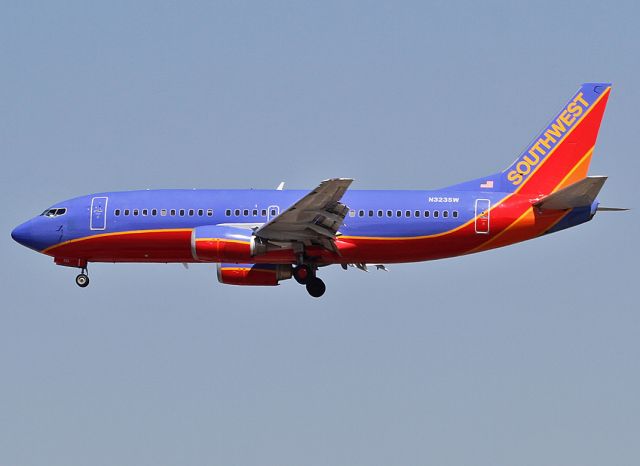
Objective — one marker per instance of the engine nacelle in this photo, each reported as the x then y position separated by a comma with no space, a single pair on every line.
212,243
253,274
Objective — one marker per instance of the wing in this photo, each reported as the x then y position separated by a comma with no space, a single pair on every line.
313,220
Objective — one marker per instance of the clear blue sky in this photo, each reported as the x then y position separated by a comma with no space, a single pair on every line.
527,355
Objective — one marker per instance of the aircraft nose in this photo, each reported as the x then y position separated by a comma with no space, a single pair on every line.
23,234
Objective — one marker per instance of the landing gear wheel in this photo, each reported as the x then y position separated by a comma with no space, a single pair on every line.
316,287
302,274
82,280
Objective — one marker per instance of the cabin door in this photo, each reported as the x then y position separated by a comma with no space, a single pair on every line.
482,216
98,220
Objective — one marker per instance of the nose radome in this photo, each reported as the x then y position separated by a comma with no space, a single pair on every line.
22,234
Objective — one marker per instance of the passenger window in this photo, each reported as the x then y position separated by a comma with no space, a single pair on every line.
209,212
227,212
398,213
237,212
116,212
135,212
163,212
264,212
417,213
144,212
255,212
200,212
445,214
154,212
245,212
371,213
181,212
389,213
455,214
426,213
407,213
273,212
173,212
352,213
436,214
191,212
126,211
380,213
361,213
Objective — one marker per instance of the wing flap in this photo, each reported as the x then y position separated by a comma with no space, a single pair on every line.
314,219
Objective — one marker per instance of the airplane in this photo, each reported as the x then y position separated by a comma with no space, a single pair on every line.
262,237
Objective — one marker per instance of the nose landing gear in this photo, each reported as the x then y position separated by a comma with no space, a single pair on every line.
82,280
306,275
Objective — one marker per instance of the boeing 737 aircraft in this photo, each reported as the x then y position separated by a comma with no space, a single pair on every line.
261,237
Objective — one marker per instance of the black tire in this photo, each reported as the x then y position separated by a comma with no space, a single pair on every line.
316,287
302,274
82,280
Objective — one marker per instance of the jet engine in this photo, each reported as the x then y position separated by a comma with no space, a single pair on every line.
253,274
214,243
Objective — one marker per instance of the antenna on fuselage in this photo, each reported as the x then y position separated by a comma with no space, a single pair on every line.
280,186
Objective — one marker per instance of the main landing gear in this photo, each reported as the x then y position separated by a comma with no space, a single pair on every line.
82,280
306,275
315,287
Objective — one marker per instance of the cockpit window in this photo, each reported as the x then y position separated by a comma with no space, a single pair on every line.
54,212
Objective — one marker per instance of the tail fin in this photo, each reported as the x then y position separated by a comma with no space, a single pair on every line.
560,155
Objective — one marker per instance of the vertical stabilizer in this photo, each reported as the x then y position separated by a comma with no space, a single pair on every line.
560,155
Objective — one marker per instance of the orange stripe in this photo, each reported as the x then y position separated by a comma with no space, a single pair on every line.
507,197
578,172
509,227
576,168
529,211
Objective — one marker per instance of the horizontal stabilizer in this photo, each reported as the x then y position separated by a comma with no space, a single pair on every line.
612,209
579,194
